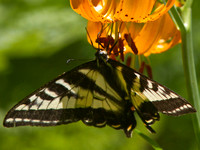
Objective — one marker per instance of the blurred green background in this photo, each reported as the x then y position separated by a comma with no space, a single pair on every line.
37,37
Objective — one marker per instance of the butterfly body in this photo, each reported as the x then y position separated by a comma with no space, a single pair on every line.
99,92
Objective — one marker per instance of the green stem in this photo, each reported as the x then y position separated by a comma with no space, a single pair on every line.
153,143
185,27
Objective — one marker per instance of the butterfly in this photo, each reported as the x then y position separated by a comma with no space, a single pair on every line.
99,93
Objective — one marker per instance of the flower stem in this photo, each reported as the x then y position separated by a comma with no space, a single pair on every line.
185,26
155,145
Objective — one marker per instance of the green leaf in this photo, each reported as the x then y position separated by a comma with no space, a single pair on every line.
153,143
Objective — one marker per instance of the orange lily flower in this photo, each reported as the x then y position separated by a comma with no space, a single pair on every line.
121,10
153,37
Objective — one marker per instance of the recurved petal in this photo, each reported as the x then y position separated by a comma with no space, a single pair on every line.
121,10
156,37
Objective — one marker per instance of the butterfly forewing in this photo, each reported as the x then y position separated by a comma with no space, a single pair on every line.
80,94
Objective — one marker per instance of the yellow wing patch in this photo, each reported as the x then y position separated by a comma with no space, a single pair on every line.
90,97
137,97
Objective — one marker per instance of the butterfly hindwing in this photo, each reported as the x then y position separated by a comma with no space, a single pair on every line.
164,99
149,97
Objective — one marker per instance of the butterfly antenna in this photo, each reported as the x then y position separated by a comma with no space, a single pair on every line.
92,42
101,31
90,38
99,35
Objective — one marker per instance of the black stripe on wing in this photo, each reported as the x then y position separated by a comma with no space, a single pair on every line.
96,117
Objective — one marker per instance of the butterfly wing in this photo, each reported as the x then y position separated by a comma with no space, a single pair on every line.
99,92
149,97
80,94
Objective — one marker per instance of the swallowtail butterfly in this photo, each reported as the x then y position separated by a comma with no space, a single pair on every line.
100,92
